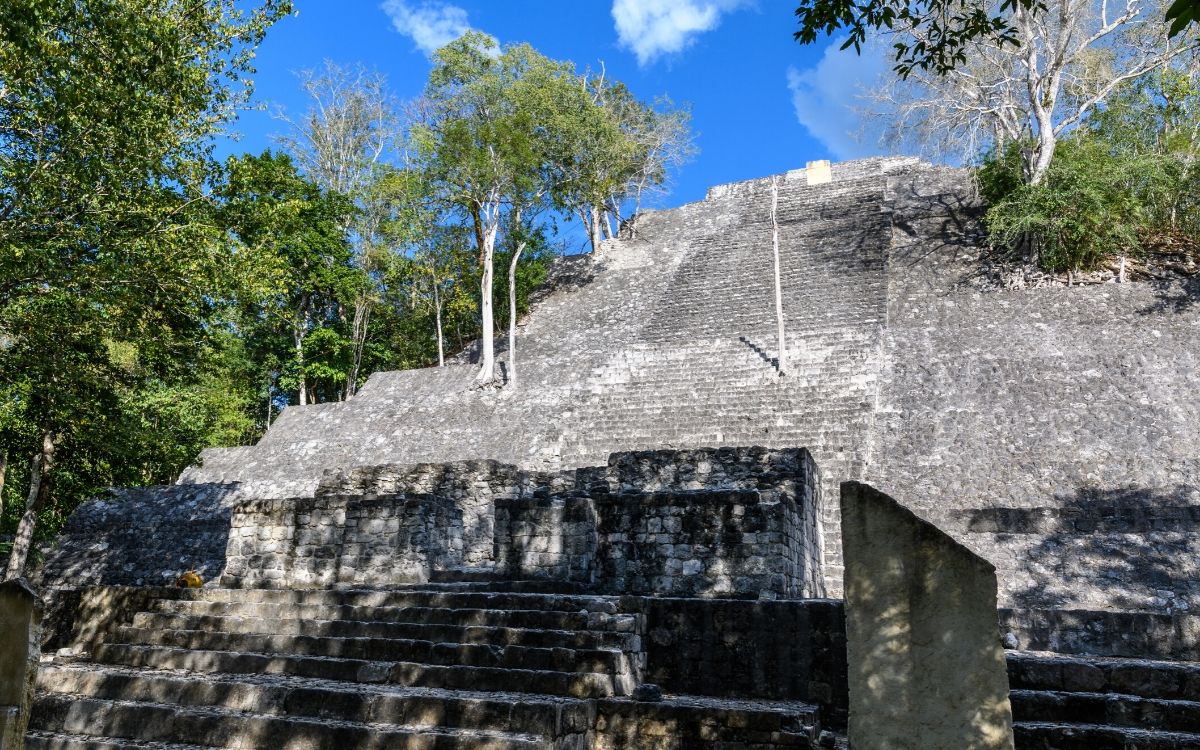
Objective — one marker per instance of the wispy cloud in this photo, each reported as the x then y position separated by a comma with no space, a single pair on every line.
653,28
827,101
430,24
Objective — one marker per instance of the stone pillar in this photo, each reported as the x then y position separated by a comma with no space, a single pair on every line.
20,631
926,668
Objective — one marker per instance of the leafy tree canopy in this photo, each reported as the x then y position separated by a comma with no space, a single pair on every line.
946,28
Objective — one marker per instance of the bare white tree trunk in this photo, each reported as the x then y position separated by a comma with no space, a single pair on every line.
1071,57
437,315
487,320
593,226
302,390
358,337
778,280
40,468
512,315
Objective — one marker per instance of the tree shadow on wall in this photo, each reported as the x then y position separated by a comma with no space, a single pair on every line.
144,536
1174,296
946,228
1128,548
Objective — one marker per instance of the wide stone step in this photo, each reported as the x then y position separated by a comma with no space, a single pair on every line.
501,618
575,684
268,602
384,649
1097,674
220,728
1053,736
46,740
479,634
1106,708
706,723
286,695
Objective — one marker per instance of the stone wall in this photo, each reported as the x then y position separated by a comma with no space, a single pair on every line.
336,540
548,537
681,523
703,543
702,522
774,650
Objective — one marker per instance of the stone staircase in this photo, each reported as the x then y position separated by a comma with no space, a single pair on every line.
1066,702
444,665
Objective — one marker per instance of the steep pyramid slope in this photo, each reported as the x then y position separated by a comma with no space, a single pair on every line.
665,340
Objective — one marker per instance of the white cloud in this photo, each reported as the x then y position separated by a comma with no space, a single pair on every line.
430,24
652,28
827,99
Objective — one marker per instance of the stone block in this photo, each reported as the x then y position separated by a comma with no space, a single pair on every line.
20,648
818,172
926,668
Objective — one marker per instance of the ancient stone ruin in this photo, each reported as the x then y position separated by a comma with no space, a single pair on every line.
640,546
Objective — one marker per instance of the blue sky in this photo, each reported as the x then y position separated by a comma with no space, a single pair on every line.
761,103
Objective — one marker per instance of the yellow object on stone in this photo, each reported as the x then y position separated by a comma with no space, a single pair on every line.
189,580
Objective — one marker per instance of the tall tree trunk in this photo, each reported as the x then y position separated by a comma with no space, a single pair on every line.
512,315
40,471
593,226
487,320
358,335
437,316
606,227
778,281
302,390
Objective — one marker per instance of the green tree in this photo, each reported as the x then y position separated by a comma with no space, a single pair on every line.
478,141
107,112
296,234
1124,182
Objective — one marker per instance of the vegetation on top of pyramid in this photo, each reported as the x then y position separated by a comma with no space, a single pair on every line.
1084,117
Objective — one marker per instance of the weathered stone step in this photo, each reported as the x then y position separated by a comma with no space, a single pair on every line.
1106,708
1097,674
286,695
273,601
213,727
1053,736
450,581
489,679
510,618
706,723
384,649
439,633
46,740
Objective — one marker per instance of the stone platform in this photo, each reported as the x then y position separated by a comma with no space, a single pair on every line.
502,666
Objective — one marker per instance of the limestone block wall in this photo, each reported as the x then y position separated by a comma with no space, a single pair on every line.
703,543
336,540
549,537
707,522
